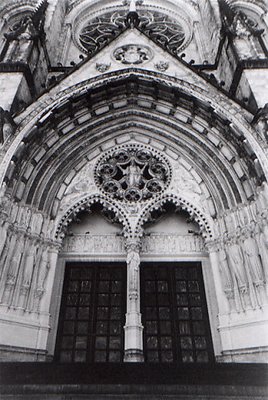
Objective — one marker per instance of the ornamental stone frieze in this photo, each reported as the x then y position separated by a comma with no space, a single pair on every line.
153,244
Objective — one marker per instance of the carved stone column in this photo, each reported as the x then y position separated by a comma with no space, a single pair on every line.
133,327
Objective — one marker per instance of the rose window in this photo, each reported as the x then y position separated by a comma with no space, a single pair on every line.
132,173
101,29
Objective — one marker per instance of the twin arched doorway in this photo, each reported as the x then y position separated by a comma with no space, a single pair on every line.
129,300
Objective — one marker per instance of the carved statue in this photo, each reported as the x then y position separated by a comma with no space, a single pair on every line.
29,265
228,285
36,222
252,255
133,263
3,236
133,174
255,267
13,268
246,36
238,271
20,40
263,246
44,268
7,125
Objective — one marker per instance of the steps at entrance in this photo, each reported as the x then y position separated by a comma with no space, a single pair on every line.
132,381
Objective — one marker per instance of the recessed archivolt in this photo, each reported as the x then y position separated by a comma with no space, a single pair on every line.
62,137
110,208
40,182
204,222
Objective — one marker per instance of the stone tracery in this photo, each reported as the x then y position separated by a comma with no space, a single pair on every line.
132,173
160,27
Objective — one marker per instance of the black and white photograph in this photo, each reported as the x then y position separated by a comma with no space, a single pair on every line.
134,199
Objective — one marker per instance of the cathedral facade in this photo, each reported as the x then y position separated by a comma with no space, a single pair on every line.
133,172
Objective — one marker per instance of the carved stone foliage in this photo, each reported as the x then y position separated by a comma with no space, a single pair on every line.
132,173
101,67
132,54
162,66
100,30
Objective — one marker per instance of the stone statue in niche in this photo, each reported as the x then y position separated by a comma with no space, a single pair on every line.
25,215
43,270
132,54
236,260
3,236
13,267
29,264
20,40
133,263
253,260
246,33
36,223
228,285
263,246
133,174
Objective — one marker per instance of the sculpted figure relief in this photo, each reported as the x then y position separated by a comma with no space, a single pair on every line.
263,245
44,267
3,236
253,260
133,263
43,271
238,271
13,268
228,285
29,265
252,255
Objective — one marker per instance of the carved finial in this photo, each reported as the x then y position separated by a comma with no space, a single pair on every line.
132,19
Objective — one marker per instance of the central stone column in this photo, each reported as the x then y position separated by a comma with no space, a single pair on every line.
133,327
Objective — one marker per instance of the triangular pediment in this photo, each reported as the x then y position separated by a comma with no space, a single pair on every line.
133,49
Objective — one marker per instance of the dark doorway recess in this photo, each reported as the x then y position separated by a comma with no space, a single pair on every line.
92,313
174,313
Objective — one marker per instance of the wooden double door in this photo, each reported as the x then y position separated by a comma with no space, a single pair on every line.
173,307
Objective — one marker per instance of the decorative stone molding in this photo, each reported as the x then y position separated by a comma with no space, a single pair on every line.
94,244
112,210
171,244
197,215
